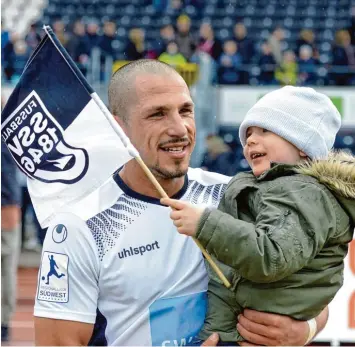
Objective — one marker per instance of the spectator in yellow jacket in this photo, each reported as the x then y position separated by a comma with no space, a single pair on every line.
286,73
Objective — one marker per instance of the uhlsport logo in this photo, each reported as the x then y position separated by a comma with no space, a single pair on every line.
59,233
36,141
53,280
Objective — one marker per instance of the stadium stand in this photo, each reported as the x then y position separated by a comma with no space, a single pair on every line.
325,26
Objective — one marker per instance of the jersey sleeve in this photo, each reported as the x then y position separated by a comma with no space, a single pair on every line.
68,277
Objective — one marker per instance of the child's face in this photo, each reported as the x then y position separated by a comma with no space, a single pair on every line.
263,147
230,47
172,48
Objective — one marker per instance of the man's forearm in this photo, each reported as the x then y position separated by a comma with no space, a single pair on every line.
316,325
271,329
322,320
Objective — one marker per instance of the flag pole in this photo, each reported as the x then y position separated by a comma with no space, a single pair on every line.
125,140
164,195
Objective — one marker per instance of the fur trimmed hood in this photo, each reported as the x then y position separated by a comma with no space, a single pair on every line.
337,173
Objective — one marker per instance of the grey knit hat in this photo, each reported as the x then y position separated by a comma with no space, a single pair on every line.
300,115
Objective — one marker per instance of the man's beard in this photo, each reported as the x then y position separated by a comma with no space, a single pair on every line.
169,174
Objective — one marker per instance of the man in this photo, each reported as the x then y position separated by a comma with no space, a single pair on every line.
10,238
130,278
275,41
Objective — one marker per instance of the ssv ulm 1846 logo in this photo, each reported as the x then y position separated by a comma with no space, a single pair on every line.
36,141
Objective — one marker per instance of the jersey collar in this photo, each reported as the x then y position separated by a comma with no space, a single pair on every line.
132,193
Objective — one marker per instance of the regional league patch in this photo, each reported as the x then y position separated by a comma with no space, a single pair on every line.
53,282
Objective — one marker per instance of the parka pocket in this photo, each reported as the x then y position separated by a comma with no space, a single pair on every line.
280,222
293,237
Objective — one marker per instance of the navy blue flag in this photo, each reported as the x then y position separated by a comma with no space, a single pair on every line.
59,132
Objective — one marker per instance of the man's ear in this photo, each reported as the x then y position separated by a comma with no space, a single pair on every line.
303,155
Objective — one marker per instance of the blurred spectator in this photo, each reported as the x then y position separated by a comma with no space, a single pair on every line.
267,65
33,38
184,38
218,157
229,64
10,238
286,73
16,55
167,34
307,39
29,241
5,37
7,52
275,41
172,56
135,48
59,30
245,45
352,25
245,48
307,66
105,41
78,46
176,5
343,61
208,43
21,55
92,31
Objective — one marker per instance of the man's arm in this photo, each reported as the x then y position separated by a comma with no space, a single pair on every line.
55,332
270,329
65,310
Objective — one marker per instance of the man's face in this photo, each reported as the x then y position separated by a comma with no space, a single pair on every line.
184,26
280,34
110,28
264,147
240,30
161,124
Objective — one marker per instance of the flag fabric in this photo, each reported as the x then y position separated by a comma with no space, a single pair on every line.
59,132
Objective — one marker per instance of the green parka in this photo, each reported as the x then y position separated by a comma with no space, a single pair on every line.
280,239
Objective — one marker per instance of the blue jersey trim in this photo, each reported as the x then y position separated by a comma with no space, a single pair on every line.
130,192
98,337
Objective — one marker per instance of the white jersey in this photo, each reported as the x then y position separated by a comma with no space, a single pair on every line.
123,266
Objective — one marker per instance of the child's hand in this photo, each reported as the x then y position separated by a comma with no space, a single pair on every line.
184,215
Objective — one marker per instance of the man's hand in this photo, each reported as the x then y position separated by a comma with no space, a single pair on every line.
271,329
185,215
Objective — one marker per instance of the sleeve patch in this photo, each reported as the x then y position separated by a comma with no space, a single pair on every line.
53,281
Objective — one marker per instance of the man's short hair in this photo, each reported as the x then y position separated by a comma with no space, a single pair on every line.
122,88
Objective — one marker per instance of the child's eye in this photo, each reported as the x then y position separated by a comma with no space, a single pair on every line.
265,131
